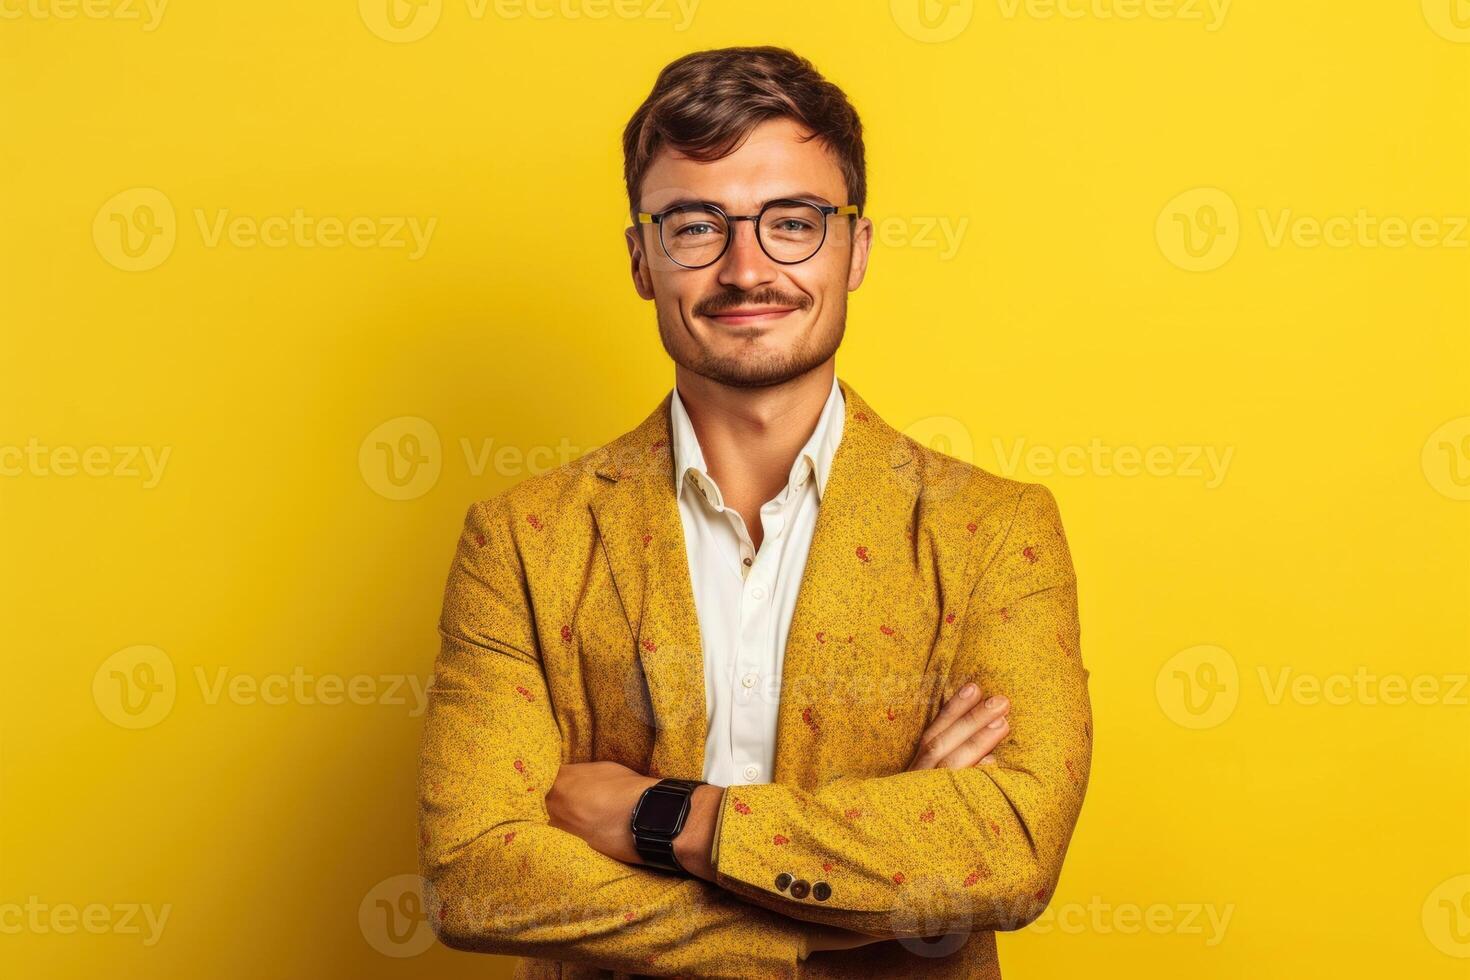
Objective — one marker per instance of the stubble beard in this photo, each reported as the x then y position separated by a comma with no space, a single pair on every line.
749,368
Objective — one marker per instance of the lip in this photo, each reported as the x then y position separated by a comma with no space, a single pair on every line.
752,314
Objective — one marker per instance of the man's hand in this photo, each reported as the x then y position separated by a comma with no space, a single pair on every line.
965,732
595,801
960,735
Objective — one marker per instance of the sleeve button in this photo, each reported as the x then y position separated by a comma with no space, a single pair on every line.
783,880
800,887
821,891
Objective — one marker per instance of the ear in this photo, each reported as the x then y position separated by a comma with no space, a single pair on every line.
862,241
642,280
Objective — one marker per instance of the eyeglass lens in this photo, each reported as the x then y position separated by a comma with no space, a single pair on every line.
789,232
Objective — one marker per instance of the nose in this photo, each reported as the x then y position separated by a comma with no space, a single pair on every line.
744,265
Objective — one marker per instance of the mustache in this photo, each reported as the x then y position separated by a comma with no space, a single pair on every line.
730,300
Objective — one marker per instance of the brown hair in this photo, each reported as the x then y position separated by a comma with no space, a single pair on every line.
705,104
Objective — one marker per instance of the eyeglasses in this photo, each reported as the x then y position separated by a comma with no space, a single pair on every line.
694,236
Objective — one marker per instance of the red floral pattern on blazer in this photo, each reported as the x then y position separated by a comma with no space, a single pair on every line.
569,634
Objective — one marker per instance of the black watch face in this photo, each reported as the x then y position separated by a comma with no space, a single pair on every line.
659,812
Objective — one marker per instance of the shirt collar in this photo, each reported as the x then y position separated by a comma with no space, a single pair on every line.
817,453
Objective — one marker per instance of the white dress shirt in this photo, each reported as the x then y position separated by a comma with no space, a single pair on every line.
745,598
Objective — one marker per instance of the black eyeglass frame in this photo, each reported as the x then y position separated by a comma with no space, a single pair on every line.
827,210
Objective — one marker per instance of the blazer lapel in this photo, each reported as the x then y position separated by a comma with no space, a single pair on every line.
642,535
862,520
862,531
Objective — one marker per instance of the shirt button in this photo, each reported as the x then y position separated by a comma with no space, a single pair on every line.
757,593
747,562
748,680
751,772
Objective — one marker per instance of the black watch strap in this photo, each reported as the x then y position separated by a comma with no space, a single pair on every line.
658,819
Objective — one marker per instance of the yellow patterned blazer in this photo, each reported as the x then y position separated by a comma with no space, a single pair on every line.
569,634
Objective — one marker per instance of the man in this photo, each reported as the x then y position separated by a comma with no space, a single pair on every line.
830,675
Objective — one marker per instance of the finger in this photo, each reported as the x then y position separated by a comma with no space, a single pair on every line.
963,700
975,749
941,743
925,755
972,721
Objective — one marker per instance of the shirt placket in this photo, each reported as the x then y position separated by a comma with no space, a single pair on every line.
758,689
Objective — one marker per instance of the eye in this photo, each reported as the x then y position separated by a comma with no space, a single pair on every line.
792,224
696,228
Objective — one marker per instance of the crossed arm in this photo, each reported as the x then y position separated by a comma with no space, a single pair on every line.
498,877
504,873
593,800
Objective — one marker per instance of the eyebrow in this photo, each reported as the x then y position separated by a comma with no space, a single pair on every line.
799,196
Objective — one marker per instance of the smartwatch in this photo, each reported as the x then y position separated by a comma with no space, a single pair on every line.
659,817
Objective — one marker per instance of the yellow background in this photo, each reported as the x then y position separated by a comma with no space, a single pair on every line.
1333,832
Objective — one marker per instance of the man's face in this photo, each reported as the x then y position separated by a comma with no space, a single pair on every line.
748,320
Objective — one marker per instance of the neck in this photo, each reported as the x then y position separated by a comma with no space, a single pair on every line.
750,436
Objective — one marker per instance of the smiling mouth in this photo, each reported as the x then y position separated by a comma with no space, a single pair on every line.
751,314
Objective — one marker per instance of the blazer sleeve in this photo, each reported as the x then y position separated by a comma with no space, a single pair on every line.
947,851
498,878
